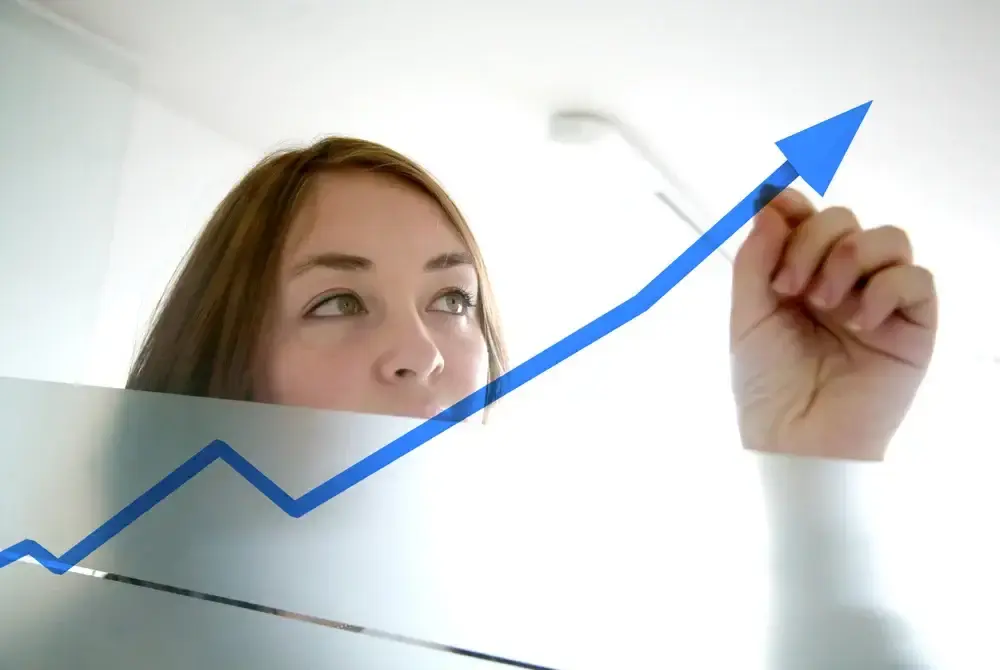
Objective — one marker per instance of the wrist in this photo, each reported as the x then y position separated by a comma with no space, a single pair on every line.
819,539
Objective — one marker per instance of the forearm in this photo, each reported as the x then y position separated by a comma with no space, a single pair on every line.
826,610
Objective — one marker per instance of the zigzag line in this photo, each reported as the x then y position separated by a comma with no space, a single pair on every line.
523,373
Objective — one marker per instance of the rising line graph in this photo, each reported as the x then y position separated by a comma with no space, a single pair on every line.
815,154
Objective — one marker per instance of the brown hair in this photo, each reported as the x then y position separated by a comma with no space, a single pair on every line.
206,332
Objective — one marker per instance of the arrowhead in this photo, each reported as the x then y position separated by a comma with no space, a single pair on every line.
817,151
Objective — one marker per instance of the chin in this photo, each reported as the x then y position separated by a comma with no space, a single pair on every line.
417,411
424,413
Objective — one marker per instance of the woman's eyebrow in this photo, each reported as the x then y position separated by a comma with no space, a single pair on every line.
449,260
332,260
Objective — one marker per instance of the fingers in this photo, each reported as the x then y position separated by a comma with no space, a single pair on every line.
855,256
908,289
861,276
810,246
754,264
759,257
761,252
793,206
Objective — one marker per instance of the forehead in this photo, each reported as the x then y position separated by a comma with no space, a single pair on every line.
371,215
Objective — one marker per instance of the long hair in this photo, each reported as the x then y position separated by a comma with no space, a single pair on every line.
207,329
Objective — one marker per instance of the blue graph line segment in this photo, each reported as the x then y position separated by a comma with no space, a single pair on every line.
826,139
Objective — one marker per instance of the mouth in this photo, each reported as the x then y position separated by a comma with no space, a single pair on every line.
423,410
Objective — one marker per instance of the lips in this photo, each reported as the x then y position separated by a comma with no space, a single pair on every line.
413,410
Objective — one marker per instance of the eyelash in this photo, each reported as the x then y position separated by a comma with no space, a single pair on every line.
468,301
327,299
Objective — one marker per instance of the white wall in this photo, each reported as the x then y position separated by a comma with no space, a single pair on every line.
64,120
102,189
175,173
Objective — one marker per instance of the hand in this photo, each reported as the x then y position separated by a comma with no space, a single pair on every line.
832,330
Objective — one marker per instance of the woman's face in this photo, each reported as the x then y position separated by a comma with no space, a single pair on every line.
376,304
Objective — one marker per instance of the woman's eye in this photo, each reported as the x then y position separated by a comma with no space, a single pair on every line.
342,304
455,302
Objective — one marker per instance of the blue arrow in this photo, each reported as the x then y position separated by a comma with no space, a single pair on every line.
814,154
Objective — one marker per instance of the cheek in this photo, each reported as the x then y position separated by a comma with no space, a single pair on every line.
466,361
321,369
316,374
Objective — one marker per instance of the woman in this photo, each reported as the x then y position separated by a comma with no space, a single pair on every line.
341,276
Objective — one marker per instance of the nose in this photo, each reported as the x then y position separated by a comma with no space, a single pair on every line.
411,355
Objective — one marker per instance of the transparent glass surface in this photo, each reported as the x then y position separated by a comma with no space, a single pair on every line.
489,539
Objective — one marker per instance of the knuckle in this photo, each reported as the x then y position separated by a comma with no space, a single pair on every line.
842,217
830,229
900,239
928,277
879,288
883,281
846,251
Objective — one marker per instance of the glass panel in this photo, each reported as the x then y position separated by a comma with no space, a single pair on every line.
85,623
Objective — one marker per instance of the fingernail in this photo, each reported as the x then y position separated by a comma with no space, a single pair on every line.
759,218
796,197
823,295
768,192
784,281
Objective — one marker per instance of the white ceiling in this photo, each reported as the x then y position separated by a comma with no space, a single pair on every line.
466,87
